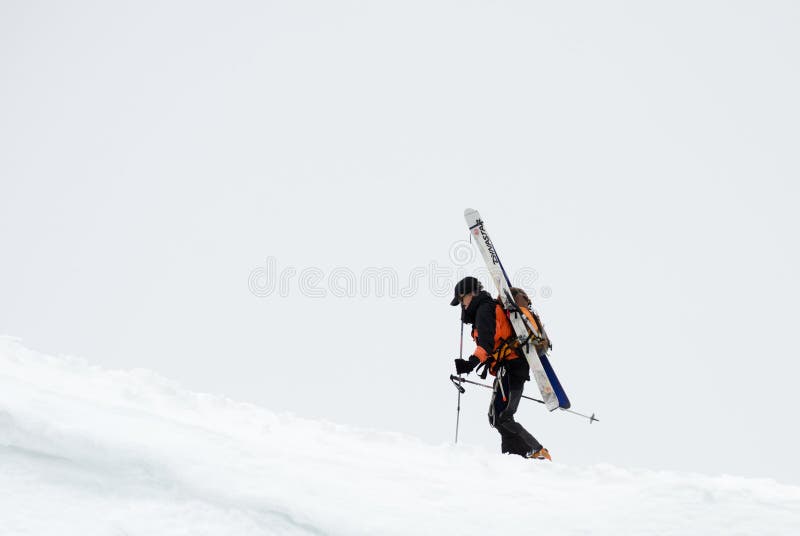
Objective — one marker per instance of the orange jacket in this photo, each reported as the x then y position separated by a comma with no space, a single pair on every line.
497,336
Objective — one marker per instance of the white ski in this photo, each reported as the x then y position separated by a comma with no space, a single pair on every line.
501,281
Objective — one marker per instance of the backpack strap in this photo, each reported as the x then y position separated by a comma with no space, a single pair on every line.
486,366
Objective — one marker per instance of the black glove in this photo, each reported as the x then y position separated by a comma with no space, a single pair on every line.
464,366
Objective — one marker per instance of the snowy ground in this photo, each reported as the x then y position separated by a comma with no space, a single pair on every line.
87,451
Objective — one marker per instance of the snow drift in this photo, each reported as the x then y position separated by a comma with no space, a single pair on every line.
90,451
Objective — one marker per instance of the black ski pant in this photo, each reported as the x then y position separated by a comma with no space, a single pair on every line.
515,439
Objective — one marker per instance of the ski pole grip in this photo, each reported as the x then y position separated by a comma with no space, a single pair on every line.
457,383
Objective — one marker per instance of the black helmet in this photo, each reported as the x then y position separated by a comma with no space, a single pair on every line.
465,286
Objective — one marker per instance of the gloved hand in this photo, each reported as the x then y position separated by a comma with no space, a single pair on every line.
464,366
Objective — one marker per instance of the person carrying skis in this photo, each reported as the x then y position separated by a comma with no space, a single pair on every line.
493,335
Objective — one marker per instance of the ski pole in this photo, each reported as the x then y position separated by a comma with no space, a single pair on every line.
459,386
458,380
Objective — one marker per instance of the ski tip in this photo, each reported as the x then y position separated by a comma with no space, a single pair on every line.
469,211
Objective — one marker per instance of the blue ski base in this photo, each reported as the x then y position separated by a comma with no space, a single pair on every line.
563,401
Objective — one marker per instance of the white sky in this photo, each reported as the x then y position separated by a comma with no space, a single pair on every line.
641,159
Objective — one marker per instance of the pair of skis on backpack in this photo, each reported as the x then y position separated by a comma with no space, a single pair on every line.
528,329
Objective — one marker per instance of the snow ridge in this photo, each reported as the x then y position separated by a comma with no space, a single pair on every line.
90,451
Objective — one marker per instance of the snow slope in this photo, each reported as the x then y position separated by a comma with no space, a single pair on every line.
87,451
